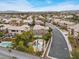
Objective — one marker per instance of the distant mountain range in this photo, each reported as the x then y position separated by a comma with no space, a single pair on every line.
68,11
9,11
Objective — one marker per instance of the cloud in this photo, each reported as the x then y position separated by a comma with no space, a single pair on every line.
60,7
24,5
18,5
48,1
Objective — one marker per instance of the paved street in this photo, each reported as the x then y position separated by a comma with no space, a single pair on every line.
19,55
3,56
58,48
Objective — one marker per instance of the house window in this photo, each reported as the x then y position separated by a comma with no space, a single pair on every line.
17,30
22,31
13,30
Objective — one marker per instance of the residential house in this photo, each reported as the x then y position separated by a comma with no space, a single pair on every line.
55,21
16,29
40,30
39,22
65,24
26,21
75,29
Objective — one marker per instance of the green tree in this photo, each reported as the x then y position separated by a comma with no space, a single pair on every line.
1,27
18,38
30,49
47,36
22,41
21,47
21,22
1,34
26,37
49,29
75,18
71,39
75,54
33,23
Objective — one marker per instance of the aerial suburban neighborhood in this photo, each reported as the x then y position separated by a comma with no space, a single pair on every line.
40,34
39,29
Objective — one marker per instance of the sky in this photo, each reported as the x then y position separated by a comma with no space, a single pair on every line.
39,5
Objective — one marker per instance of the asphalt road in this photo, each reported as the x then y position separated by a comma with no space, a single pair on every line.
2,56
58,48
19,55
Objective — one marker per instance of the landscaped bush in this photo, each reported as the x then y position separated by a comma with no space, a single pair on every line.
21,47
38,53
75,47
47,36
22,41
30,50
1,34
75,53
71,39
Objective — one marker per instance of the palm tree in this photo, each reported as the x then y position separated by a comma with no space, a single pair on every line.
13,22
1,27
33,23
21,22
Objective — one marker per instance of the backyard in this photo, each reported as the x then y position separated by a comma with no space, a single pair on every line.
24,42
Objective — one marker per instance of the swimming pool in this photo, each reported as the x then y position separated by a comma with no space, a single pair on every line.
6,44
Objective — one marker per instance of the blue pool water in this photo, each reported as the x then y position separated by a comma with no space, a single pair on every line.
6,44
